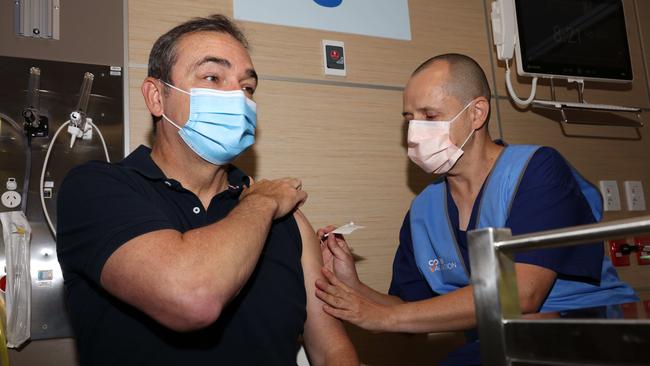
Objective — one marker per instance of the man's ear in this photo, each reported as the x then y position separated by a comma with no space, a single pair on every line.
152,93
480,113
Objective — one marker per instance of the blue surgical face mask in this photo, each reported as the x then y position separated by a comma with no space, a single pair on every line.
221,124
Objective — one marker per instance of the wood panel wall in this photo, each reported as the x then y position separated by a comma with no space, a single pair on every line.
346,139
351,156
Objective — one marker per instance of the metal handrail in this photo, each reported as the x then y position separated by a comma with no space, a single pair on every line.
500,327
576,235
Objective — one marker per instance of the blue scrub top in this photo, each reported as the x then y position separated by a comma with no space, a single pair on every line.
548,198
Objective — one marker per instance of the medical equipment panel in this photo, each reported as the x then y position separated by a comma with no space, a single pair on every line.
37,99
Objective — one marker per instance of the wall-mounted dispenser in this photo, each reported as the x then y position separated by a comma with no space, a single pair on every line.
37,18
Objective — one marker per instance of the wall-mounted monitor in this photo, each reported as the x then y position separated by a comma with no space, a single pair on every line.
580,39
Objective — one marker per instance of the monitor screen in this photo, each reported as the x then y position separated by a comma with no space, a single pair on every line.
583,39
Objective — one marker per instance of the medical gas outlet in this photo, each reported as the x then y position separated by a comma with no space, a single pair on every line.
642,244
619,252
35,123
80,127
11,198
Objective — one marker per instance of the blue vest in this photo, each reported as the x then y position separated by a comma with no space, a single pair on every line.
438,257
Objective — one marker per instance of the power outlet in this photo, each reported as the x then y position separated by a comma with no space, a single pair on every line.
634,195
10,199
611,197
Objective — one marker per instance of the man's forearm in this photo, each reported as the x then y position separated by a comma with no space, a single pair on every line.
231,247
185,280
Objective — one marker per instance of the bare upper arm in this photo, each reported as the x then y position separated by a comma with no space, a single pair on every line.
324,336
534,284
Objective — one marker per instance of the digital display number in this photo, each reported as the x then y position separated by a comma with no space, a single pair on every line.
567,34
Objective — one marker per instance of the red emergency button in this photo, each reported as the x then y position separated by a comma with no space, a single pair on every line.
3,283
334,55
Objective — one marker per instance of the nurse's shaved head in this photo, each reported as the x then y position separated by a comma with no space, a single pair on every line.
466,79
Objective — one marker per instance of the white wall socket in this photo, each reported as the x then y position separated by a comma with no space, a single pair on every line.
611,197
10,199
634,195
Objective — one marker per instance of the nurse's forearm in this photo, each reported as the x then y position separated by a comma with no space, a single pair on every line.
451,312
376,296
455,310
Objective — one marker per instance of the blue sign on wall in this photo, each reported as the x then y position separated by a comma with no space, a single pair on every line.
329,3
379,18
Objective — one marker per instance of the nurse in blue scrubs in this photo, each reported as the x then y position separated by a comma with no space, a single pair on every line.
476,183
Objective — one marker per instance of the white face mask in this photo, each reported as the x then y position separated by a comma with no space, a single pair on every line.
429,145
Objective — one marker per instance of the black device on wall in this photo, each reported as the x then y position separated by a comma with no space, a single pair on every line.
582,39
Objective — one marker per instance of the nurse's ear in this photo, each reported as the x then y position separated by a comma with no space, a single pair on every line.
152,91
480,112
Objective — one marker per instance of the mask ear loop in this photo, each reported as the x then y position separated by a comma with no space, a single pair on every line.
467,139
173,87
471,133
170,121
180,90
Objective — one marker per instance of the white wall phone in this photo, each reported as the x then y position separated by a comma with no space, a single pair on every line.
504,31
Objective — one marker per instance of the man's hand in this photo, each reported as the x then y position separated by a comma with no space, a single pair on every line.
337,257
347,304
286,194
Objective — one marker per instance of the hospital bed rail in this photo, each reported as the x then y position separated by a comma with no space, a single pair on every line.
507,338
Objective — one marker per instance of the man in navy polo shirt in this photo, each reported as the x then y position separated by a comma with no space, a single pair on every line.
480,183
171,257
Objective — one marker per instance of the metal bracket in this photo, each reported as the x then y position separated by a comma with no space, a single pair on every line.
582,105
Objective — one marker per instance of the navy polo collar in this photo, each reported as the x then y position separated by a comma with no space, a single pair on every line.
141,162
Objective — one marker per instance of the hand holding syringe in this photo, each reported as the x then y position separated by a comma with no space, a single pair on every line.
337,254
343,230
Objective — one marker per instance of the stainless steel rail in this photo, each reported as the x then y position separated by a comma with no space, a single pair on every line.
577,234
506,339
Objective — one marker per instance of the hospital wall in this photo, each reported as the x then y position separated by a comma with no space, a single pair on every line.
344,136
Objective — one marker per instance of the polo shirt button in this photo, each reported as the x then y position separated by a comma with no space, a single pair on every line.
168,183
196,210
